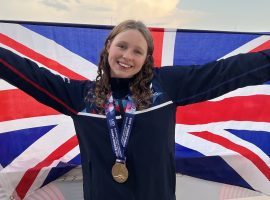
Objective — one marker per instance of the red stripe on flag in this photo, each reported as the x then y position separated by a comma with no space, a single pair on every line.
158,35
31,174
52,64
23,77
254,158
263,46
15,104
249,108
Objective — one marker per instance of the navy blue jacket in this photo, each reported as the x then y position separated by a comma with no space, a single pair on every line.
150,152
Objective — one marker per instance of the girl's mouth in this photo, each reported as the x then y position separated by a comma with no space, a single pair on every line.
124,65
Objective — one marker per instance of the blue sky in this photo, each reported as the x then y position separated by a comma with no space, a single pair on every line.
228,15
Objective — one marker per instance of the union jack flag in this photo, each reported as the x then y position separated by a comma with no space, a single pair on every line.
225,139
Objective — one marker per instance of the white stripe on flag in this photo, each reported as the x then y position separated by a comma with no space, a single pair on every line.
5,85
219,129
246,91
45,171
24,123
248,46
25,56
251,174
168,47
52,140
237,125
50,49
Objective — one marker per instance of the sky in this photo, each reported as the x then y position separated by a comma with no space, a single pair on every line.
224,15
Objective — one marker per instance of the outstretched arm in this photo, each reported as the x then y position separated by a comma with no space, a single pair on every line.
191,84
60,93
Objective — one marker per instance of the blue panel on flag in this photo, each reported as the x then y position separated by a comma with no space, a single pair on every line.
192,48
13,143
262,141
212,168
86,42
184,152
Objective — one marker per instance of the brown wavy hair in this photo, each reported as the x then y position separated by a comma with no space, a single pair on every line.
140,83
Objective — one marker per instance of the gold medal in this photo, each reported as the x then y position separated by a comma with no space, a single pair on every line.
120,172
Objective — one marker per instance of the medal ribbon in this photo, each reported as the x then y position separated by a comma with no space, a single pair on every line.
119,142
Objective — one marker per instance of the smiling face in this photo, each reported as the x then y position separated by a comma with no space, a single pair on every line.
127,53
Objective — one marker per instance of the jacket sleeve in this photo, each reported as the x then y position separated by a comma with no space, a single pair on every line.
62,94
191,84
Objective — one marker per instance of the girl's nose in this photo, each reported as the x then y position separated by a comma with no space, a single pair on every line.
127,54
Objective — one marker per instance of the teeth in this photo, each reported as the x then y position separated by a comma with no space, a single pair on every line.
124,65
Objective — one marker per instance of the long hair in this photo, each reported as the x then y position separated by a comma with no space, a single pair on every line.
140,84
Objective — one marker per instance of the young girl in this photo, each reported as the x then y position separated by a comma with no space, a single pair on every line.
125,119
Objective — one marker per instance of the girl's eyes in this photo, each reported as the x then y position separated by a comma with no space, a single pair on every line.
138,52
123,47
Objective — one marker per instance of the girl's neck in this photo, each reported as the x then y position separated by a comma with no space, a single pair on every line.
120,87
